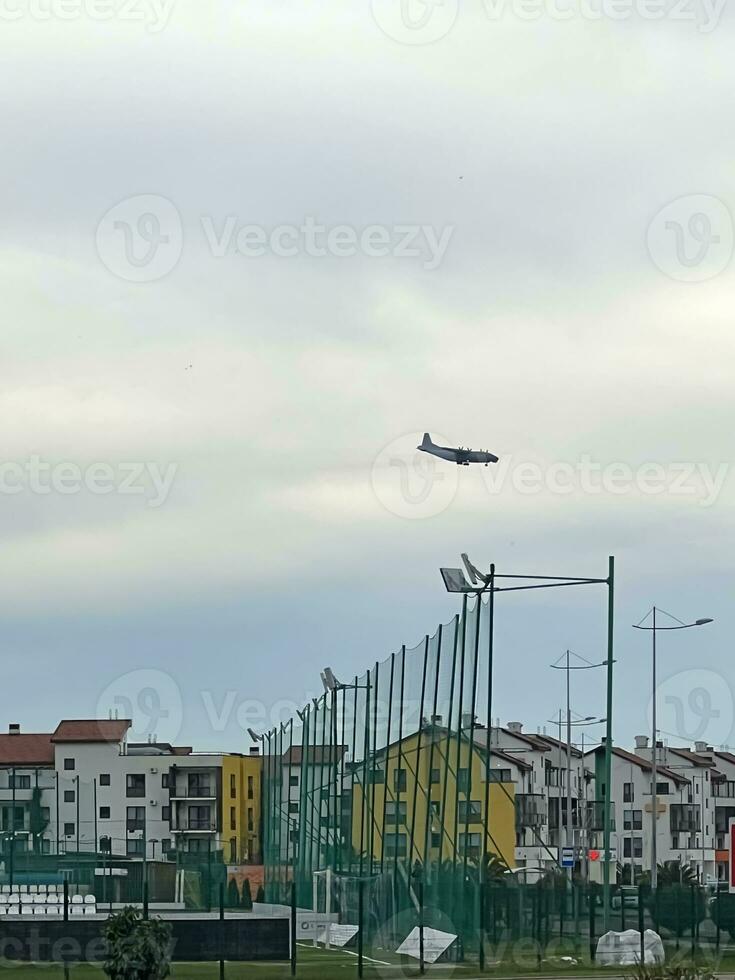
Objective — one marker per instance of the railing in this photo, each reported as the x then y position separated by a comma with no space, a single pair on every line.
726,788
530,810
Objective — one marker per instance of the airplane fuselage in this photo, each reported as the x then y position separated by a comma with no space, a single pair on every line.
460,456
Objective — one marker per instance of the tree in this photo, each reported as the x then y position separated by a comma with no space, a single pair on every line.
137,948
678,907
233,894
672,873
38,823
260,894
246,898
722,910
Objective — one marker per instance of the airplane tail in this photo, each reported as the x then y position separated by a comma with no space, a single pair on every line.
426,441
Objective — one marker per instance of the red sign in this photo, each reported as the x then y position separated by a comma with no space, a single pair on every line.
595,855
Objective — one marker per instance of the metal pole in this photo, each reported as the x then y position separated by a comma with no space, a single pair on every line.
608,743
222,929
570,831
293,928
654,772
360,910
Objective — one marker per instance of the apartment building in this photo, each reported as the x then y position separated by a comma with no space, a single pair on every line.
84,788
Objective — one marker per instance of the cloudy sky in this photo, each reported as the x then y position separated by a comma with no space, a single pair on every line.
252,251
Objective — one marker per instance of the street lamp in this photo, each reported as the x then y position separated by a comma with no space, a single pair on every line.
567,666
653,629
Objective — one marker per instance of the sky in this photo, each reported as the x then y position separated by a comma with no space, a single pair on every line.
251,252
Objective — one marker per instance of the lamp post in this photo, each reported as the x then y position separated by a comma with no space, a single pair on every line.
653,629
564,663
455,581
577,723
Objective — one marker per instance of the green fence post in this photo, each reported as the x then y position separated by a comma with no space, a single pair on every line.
693,916
222,930
360,910
66,900
145,899
293,927
482,924
717,899
422,965
641,927
592,923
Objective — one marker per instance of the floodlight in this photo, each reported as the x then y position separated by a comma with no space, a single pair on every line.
325,684
454,580
330,681
703,622
471,570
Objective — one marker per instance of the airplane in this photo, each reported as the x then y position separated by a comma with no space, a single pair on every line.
460,456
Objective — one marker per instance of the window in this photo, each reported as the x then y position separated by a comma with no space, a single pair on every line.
69,829
377,776
166,813
19,782
637,847
134,846
69,796
69,764
199,784
166,845
106,845
293,807
662,789
200,818
104,813
251,791
135,784
104,779
463,780
628,793
136,818
469,843
233,850
164,781
293,780
395,845
632,819
399,780
233,818
251,823
199,846
436,776
470,811
395,812
500,775
436,840
233,786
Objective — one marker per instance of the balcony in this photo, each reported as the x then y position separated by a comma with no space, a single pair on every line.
685,818
194,792
725,788
195,827
530,810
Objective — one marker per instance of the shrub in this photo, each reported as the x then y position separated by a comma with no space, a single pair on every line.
137,948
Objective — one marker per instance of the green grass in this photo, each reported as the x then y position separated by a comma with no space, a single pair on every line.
321,964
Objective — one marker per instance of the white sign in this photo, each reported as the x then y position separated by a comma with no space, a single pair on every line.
339,935
435,943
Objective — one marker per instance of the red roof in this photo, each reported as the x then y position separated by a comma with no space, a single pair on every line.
91,730
26,750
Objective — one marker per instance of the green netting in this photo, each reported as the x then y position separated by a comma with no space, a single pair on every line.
386,779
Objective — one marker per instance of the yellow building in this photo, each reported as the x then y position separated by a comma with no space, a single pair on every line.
241,814
426,796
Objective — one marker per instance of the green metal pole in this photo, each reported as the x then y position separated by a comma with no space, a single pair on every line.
608,744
